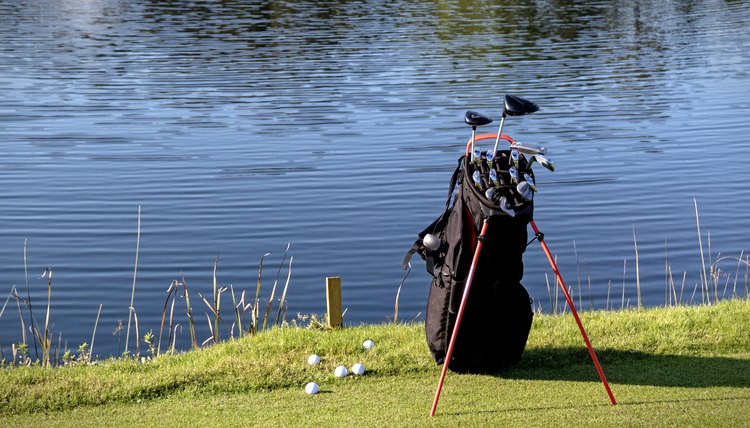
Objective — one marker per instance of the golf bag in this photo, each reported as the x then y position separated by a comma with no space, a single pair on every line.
497,318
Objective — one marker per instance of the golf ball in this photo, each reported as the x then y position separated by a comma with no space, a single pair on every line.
313,360
358,369
311,388
340,371
368,344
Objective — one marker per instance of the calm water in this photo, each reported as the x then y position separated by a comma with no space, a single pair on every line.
238,127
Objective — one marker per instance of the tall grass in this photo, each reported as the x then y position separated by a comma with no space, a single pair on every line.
715,283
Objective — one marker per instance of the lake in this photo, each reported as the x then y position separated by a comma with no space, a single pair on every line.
237,127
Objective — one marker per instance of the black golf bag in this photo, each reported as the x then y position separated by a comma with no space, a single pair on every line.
497,317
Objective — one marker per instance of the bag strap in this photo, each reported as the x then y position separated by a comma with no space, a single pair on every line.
418,243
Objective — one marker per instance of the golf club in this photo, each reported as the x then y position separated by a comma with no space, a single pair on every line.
490,158
524,189
475,119
541,160
513,106
505,206
493,177
514,157
477,179
528,148
513,174
530,180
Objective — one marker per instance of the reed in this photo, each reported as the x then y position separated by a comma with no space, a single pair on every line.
273,290
217,303
47,338
189,312
135,273
398,293
637,271
279,320
93,335
32,322
255,313
704,279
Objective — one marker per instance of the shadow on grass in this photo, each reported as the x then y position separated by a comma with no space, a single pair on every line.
739,399
631,367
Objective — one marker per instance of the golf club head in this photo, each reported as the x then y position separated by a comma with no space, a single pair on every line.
505,206
528,148
517,106
514,157
524,189
490,158
477,155
493,177
477,178
513,174
543,161
432,242
530,180
473,118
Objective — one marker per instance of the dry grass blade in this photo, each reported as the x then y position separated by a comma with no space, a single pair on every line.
275,282
47,339
135,273
216,302
93,335
32,322
704,279
189,311
171,289
637,272
283,293
255,314
398,293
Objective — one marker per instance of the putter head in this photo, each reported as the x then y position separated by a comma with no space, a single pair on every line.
543,161
517,106
528,148
473,119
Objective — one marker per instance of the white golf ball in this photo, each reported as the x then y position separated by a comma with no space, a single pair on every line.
358,369
340,371
311,388
368,344
313,360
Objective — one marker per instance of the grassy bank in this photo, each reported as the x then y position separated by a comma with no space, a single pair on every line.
679,366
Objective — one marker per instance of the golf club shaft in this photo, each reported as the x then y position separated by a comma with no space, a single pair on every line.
473,140
574,312
499,133
470,277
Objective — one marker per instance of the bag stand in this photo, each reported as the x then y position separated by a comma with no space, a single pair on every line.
540,237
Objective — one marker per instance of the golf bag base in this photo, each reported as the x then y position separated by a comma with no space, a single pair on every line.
497,318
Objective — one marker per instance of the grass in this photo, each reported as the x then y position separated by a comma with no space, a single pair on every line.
667,366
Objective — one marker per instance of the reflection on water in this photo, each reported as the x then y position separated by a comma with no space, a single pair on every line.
241,126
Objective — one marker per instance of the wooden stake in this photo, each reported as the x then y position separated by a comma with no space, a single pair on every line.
333,301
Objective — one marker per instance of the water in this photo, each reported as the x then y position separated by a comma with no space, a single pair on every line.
239,127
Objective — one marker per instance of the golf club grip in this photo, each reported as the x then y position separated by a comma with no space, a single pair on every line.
481,137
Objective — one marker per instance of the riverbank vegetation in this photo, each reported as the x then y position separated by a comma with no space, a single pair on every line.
667,366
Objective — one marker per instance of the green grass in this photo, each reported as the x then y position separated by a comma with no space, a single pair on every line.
685,366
